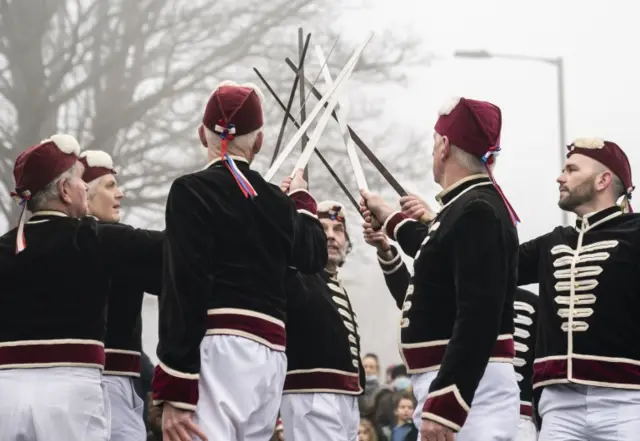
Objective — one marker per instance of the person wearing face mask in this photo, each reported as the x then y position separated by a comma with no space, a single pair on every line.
324,372
587,365
123,340
56,270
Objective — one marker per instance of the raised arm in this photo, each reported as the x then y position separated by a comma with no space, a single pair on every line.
480,270
399,227
182,306
310,246
122,248
407,232
396,274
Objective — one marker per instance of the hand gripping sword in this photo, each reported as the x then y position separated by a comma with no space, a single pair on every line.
317,151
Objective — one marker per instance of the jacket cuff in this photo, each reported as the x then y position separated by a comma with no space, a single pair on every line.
446,407
305,203
394,222
393,265
179,389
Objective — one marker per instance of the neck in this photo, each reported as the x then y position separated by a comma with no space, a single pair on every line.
216,153
593,207
454,175
331,268
56,206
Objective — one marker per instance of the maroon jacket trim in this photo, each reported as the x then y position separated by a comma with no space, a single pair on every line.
23,355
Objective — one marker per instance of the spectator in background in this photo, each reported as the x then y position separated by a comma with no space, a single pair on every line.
384,403
371,366
366,431
404,407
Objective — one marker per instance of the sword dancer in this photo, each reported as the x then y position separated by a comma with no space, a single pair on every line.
587,364
123,340
397,278
56,270
458,311
324,372
230,238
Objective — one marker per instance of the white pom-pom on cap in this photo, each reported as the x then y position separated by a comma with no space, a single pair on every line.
98,158
66,143
588,143
247,85
449,105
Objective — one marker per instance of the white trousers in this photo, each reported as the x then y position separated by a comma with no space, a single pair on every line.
240,388
575,412
320,417
527,430
495,409
53,404
127,422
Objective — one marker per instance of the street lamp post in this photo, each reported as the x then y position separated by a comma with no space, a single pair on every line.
558,63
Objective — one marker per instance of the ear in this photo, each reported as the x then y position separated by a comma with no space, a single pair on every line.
445,148
63,191
604,180
203,138
258,144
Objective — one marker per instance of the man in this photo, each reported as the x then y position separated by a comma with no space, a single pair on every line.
371,366
587,355
324,372
123,341
230,238
457,325
397,279
56,270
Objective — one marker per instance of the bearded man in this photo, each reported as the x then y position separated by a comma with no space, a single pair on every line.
587,364
324,372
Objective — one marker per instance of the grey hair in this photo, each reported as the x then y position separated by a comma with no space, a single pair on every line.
41,199
471,163
240,144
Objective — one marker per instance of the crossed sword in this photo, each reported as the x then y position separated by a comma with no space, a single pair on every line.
331,104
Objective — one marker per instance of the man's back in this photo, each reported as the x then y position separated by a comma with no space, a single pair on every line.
55,288
253,240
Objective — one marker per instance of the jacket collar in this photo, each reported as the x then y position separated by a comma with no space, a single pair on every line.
591,220
236,159
450,194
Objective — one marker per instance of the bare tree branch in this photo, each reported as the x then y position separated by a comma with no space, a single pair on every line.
131,78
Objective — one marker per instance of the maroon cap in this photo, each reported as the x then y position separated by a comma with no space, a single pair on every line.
608,154
40,164
234,106
96,164
471,125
